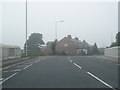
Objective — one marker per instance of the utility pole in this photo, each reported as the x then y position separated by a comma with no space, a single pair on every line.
26,29
111,39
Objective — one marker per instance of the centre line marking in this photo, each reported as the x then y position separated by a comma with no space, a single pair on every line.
101,81
68,57
70,60
8,78
77,65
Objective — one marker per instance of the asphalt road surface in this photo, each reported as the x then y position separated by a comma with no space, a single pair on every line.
61,72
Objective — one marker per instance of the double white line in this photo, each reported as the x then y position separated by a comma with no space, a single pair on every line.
17,70
3,80
8,78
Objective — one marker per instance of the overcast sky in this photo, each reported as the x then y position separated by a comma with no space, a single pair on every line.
90,21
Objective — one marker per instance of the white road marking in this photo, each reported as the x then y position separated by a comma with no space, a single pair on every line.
69,57
101,80
8,78
17,70
11,65
70,60
36,61
77,65
27,66
12,70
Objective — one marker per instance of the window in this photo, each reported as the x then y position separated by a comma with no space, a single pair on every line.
65,45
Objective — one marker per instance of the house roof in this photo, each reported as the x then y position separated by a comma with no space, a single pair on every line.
76,40
9,46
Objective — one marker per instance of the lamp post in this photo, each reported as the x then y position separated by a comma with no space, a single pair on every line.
111,38
56,34
56,28
26,29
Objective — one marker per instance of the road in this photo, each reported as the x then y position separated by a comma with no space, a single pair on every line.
62,72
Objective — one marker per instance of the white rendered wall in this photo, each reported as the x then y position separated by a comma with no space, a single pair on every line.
112,52
6,54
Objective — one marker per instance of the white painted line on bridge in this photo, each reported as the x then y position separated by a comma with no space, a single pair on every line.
11,65
8,78
77,65
27,66
17,70
101,80
36,61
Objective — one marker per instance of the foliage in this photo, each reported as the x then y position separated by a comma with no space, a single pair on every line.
63,53
53,47
118,39
113,44
95,49
34,44
117,43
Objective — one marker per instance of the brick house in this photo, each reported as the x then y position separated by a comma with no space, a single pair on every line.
66,45
69,46
72,46
47,49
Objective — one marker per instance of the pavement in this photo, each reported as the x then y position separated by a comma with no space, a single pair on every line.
62,72
108,58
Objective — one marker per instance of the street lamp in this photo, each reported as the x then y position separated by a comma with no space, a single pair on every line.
56,34
26,29
56,28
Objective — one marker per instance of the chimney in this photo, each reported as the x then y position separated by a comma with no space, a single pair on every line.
76,38
69,36
84,41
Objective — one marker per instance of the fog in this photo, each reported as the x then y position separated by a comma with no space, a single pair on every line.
90,21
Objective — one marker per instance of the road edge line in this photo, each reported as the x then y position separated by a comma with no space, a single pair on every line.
101,80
